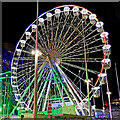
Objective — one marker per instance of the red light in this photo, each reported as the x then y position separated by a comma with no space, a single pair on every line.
106,105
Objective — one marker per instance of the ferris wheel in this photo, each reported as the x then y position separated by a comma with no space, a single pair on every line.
72,47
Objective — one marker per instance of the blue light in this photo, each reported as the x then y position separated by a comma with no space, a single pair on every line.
4,67
80,113
25,61
5,53
3,83
96,116
11,55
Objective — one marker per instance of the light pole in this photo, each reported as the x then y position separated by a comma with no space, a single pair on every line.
117,80
108,93
87,80
35,87
80,82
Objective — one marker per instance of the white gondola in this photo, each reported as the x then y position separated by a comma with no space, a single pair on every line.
34,28
57,12
107,63
75,11
102,78
14,70
99,26
18,52
41,21
104,35
66,10
28,34
22,43
92,18
17,97
49,16
14,88
84,13
22,105
13,80
107,49
96,92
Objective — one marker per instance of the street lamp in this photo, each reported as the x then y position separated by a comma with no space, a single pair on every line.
37,52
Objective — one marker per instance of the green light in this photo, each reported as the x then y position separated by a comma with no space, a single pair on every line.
4,77
0,109
49,79
5,73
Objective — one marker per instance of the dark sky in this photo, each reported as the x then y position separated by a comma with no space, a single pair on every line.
16,17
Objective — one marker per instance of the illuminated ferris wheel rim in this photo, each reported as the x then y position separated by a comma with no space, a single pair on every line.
104,37
103,61
103,34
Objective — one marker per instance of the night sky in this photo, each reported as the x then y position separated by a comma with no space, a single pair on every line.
16,17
